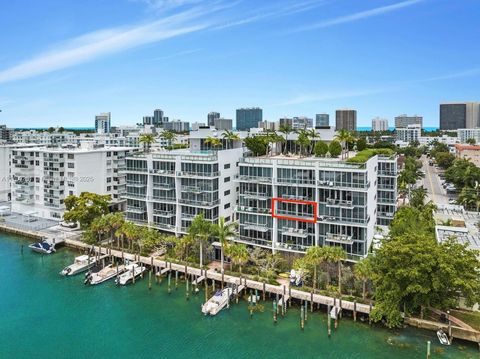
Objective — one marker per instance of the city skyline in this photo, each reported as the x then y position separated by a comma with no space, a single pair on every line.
190,58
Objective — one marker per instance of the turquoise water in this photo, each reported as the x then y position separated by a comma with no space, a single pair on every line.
44,315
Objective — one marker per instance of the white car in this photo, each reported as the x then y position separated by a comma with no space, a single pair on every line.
452,201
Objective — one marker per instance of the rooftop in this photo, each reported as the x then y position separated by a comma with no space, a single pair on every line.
462,226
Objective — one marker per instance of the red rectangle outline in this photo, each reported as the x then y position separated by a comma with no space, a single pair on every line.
311,203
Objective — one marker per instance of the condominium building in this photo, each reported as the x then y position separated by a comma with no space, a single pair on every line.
379,124
287,204
211,117
302,122
102,122
457,115
322,120
465,134
177,126
167,189
55,138
409,134
402,121
43,177
223,124
248,118
5,133
346,120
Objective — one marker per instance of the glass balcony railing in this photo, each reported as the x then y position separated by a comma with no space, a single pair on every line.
164,213
193,202
259,227
343,220
257,179
198,174
340,184
338,238
256,210
136,209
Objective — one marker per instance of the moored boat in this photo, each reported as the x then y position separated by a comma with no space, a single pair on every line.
104,274
132,271
81,264
217,302
443,338
43,247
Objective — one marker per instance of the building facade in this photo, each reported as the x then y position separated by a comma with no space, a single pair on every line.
248,118
465,134
177,126
409,134
346,120
302,122
43,177
102,122
379,124
223,124
470,152
290,204
322,120
211,117
459,115
402,121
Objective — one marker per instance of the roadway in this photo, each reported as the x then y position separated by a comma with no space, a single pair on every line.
435,192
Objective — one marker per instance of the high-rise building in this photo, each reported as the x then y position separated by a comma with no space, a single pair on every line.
285,121
177,126
157,118
409,134
402,121
346,119
322,120
379,124
5,133
223,124
302,122
211,117
459,115
248,118
147,120
102,122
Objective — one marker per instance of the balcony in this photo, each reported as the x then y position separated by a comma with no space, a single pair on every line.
136,184
136,169
197,189
140,222
294,214
163,186
52,205
162,172
135,195
348,185
164,213
383,200
296,181
198,174
162,199
338,238
210,203
255,210
256,195
387,173
164,226
291,247
255,179
52,195
257,241
386,214
332,202
259,227
294,232
136,209
343,220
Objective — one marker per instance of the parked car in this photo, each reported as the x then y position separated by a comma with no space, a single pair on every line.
452,201
68,224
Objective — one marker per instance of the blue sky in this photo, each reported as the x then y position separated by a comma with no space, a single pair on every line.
63,61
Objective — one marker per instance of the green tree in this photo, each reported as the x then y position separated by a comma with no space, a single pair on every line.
444,159
363,271
344,137
213,142
169,136
51,129
321,149
471,141
224,232
361,144
335,149
315,256
286,130
303,140
238,253
417,197
230,137
147,139
201,230
85,208
256,144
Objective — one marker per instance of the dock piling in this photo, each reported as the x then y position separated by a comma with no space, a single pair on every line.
302,317
176,280
263,291
169,281
329,329
311,301
355,310
274,312
428,349
150,279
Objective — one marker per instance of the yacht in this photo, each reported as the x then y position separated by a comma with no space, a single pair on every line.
131,271
443,338
217,302
43,247
81,264
104,274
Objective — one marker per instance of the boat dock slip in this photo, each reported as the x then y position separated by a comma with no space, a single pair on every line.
283,299
217,276
198,280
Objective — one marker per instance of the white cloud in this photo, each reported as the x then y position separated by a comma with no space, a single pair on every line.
359,15
104,42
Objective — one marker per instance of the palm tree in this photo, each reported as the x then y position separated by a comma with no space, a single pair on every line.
312,134
213,142
239,255
168,136
230,136
417,197
286,129
147,139
277,139
363,272
344,136
224,232
303,140
315,257
128,231
200,230
337,255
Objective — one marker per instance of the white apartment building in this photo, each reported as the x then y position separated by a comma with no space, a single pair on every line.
409,134
290,204
167,189
379,124
43,177
465,134
44,137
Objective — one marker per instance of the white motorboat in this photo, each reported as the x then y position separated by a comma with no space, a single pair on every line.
43,247
132,271
104,274
217,302
443,338
81,264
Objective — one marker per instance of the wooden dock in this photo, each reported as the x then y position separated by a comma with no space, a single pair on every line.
217,276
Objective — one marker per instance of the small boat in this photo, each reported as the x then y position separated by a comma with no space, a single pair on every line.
104,274
81,264
132,271
443,338
43,247
217,302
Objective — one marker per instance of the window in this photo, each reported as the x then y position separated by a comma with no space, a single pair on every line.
226,206
71,165
37,163
70,156
226,166
109,179
226,179
70,193
226,193
227,219
109,188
